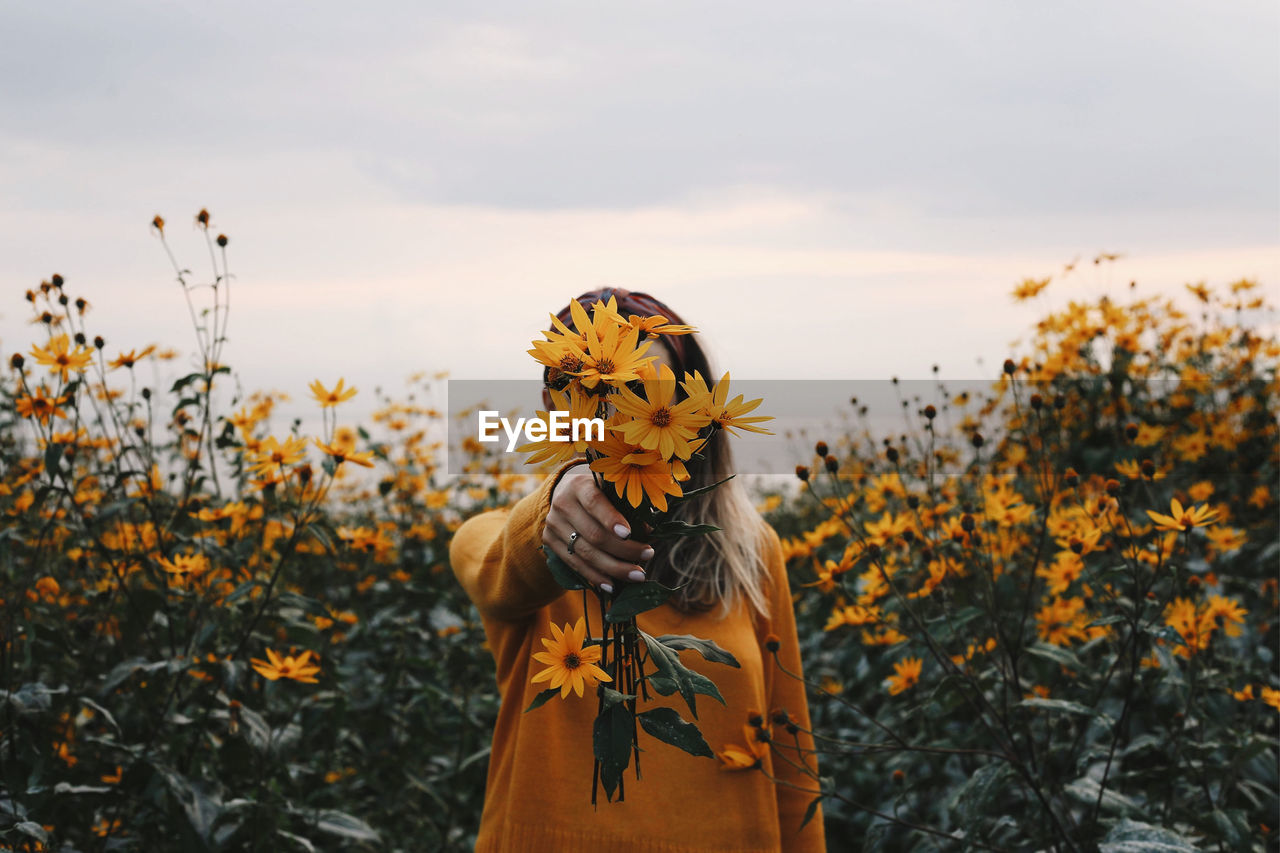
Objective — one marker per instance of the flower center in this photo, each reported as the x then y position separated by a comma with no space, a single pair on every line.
605,365
661,417
570,364
572,661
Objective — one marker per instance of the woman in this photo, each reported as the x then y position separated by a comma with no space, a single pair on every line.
734,591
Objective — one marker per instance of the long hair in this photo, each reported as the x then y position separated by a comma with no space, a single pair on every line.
717,568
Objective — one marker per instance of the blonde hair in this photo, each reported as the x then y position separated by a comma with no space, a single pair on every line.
721,567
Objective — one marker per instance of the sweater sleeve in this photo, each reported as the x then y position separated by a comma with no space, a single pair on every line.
497,556
788,693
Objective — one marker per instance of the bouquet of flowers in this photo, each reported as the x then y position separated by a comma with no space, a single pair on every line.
653,439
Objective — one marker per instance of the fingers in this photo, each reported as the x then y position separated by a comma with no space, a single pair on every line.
589,557
586,519
559,545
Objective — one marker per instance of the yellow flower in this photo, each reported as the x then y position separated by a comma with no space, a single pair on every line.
130,358
184,567
60,358
569,664
339,454
612,356
1225,613
552,453
655,423
1028,288
1272,697
749,757
326,398
272,457
729,414
40,406
906,675
636,474
658,325
1183,519
293,668
1063,620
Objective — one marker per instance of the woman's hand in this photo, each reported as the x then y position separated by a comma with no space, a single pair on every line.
603,553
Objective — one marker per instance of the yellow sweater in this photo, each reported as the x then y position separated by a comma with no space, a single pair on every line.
539,787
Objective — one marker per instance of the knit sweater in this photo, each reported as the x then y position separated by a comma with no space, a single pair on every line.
537,796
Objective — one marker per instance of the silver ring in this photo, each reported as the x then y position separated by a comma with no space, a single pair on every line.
573,537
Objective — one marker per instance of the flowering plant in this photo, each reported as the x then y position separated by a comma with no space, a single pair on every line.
653,436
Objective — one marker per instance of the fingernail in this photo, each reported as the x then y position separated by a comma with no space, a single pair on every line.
604,587
636,575
646,554
622,530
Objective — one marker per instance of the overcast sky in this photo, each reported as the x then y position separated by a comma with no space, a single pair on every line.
830,190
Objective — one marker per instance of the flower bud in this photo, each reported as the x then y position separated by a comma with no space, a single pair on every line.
146,393
892,454
832,463
1070,478
1112,487
1131,431
930,412
1036,401
967,523
17,361
222,240
98,342
202,218
977,440
1009,366
772,643
802,472
913,501
820,448
57,281
1148,468
80,338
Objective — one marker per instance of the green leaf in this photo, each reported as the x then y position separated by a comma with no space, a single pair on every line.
707,648
636,598
674,676
674,528
52,457
343,825
611,745
1085,790
613,697
811,811
1066,707
702,490
1057,654
973,799
184,382
667,726
33,829
1131,836
565,576
541,698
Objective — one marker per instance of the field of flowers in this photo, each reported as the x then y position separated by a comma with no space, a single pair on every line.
1039,618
